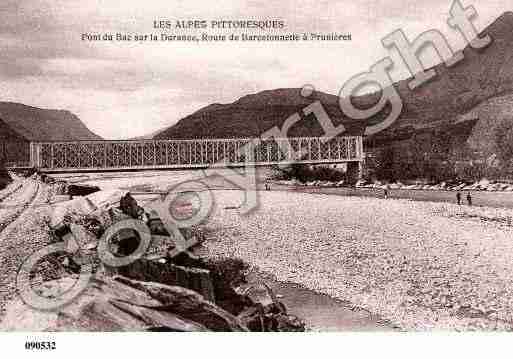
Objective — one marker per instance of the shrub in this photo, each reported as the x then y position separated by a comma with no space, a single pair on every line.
305,173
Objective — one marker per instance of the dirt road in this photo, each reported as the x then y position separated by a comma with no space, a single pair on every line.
22,231
16,201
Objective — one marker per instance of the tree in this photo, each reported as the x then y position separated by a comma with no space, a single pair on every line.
5,178
504,146
385,162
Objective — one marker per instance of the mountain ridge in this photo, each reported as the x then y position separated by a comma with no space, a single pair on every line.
482,75
38,124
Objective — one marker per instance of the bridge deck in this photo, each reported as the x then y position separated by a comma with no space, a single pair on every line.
184,154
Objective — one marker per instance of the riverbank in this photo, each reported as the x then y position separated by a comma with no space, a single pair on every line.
321,312
479,198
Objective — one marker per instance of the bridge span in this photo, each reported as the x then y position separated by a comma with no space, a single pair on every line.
192,154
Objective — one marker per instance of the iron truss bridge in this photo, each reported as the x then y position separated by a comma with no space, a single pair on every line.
183,154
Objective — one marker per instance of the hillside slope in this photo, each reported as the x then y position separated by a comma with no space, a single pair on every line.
491,114
8,134
456,91
35,124
252,115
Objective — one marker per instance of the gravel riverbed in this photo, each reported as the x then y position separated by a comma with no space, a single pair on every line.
419,265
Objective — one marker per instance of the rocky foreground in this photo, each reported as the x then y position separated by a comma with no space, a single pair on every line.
69,285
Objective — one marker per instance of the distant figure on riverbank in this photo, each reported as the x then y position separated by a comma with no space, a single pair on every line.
469,199
458,197
267,186
385,194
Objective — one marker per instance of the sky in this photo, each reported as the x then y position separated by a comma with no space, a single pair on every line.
127,89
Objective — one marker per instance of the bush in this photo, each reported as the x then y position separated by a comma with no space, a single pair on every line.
304,173
5,178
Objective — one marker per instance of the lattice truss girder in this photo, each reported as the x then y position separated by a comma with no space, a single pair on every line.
134,154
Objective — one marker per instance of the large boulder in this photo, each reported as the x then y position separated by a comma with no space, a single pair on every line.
82,190
188,304
5,177
196,279
121,304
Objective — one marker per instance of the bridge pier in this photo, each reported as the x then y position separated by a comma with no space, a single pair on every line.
354,171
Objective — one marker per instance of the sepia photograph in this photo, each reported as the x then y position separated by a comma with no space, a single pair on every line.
312,167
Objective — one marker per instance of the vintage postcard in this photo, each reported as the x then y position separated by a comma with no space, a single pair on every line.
246,166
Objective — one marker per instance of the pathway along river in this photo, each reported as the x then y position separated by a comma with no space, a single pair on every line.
22,230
